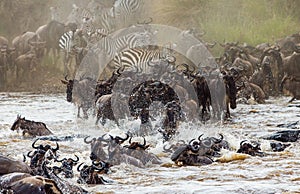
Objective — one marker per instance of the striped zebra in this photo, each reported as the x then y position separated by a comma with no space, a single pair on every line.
126,11
71,43
65,44
100,17
112,46
93,34
140,58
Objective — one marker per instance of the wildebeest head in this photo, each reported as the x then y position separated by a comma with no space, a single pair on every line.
46,147
19,121
137,145
67,166
230,90
69,91
251,148
97,145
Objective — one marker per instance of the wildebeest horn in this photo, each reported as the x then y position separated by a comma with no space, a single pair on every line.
33,144
77,158
61,160
55,149
78,167
242,142
66,78
124,139
24,158
102,138
199,138
144,142
28,154
219,140
97,164
96,168
86,141
191,141
186,66
130,139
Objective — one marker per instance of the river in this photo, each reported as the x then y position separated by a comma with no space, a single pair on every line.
277,172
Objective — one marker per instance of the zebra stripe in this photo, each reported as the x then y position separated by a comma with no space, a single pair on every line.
137,57
100,18
126,7
113,46
125,11
66,41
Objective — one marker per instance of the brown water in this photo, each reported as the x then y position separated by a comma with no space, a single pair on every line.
278,172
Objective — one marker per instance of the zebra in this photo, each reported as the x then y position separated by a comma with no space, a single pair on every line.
140,58
72,44
101,17
111,46
92,34
125,11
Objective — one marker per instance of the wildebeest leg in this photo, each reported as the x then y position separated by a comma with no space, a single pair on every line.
66,63
85,115
103,121
78,112
227,115
292,99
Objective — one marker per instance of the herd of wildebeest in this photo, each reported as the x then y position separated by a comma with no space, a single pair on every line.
241,72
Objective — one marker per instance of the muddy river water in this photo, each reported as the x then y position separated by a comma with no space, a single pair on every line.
277,172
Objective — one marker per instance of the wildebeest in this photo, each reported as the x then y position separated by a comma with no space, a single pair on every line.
26,65
97,148
285,136
188,155
292,85
8,165
3,66
35,184
81,92
40,155
104,109
291,64
278,147
51,33
31,128
250,148
138,151
63,185
26,42
201,88
288,44
91,174
230,98
66,166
